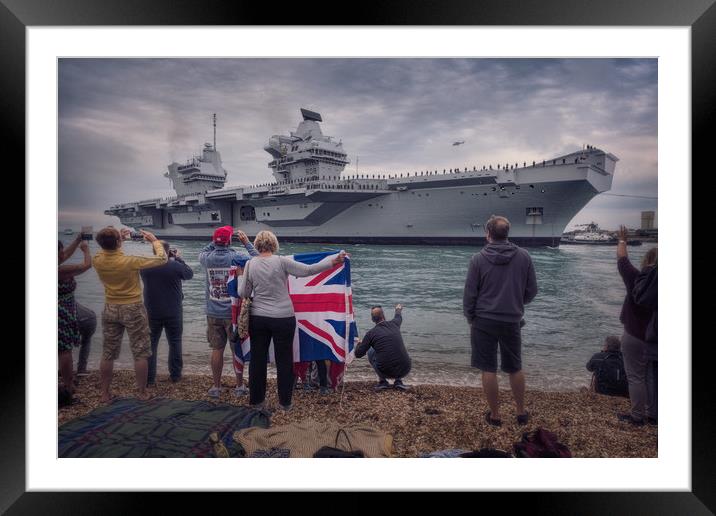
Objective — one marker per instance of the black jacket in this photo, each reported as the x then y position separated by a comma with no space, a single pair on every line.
391,357
500,281
609,374
162,288
646,294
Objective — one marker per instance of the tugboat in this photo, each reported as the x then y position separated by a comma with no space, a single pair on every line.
592,235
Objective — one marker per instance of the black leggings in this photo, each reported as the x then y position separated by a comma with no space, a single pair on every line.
262,330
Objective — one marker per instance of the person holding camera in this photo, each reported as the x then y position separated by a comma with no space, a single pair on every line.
163,297
68,328
217,259
123,307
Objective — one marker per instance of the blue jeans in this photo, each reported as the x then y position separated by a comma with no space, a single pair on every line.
173,327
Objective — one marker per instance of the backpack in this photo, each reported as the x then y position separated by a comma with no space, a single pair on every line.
611,376
540,443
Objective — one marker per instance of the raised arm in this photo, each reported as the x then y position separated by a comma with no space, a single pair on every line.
70,249
398,318
622,244
247,243
146,262
472,287
68,271
301,269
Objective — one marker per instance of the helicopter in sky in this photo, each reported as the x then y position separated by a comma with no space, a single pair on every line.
455,144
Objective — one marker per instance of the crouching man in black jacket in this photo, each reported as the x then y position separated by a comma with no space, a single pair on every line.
385,348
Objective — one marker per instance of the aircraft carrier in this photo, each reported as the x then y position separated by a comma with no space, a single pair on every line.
310,199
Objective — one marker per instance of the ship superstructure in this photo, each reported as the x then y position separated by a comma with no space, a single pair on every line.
311,200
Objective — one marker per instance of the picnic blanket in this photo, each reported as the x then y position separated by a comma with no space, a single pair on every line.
304,439
160,427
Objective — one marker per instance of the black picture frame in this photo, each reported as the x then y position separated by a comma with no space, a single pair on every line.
700,15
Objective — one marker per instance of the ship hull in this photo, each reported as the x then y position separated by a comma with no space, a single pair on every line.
427,216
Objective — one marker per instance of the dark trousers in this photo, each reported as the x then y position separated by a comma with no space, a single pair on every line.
87,320
322,373
374,364
173,326
652,388
262,330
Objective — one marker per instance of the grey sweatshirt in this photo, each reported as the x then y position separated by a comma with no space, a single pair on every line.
500,281
268,279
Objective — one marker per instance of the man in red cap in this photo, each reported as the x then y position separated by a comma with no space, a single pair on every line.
216,258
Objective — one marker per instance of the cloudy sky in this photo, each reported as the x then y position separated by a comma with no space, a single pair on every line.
122,121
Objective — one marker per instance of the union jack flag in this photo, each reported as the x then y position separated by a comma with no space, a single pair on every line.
325,323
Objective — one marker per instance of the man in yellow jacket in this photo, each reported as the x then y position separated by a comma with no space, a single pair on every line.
124,306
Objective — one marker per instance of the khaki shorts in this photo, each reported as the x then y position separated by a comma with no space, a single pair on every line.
217,332
115,318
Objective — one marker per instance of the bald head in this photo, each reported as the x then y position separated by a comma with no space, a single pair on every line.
497,228
377,315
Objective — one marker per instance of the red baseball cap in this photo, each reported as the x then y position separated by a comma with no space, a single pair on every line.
223,234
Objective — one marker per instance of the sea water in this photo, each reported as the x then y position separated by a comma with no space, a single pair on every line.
578,304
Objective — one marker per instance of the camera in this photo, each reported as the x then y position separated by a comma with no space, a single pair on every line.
86,232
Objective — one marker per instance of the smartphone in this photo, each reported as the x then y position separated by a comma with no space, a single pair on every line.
86,232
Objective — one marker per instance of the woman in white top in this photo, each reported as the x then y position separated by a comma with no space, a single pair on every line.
272,315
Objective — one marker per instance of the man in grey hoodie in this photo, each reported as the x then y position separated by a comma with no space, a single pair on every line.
500,281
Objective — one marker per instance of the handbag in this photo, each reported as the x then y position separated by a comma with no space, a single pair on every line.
243,323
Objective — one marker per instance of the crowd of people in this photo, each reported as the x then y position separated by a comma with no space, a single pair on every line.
500,281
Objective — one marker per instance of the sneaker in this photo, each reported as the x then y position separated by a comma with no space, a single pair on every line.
82,373
382,385
522,419
490,421
307,387
214,392
627,418
325,390
175,379
241,390
286,408
398,384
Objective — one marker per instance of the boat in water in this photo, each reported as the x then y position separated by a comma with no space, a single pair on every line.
68,232
592,235
310,198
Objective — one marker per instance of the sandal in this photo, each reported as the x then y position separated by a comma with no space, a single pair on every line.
490,421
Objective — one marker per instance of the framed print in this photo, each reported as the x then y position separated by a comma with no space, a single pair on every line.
399,140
